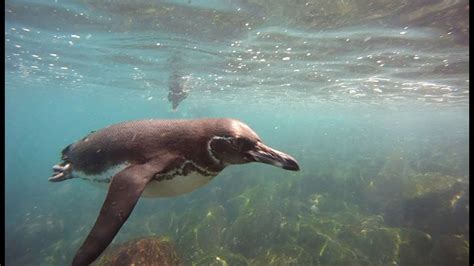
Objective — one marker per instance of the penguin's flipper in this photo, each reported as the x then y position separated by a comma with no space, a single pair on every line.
124,191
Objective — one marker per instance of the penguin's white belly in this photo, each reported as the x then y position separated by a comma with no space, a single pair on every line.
176,186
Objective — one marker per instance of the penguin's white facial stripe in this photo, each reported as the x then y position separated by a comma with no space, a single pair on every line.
209,151
209,147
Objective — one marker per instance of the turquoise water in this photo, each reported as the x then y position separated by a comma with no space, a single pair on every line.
371,98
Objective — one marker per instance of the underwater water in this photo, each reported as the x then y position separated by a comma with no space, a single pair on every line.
371,97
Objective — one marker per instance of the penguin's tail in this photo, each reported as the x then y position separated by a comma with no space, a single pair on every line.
63,170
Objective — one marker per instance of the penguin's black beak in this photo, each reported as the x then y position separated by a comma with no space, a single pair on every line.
264,154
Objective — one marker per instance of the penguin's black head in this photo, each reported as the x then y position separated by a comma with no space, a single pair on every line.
239,144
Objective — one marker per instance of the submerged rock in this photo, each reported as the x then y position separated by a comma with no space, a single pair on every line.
440,205
451,250
146,251
415,247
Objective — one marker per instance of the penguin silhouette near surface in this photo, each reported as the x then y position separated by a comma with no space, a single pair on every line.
156,158
178,89
178,83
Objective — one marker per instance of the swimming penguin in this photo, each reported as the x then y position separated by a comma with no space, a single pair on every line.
161,158
178,83
178,89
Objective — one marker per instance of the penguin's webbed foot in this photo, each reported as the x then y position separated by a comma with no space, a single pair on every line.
62,172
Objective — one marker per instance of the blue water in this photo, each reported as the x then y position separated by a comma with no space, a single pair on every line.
372,100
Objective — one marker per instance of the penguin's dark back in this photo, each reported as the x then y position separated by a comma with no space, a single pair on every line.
140,140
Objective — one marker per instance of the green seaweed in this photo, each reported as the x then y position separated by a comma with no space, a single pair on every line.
222,257
288,254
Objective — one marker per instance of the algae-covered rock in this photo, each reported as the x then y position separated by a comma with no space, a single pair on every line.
427,183
450,250
146,251
439,211
431,202
415,247
445,161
